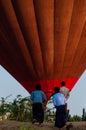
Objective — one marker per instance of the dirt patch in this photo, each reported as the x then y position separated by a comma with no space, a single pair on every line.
16,125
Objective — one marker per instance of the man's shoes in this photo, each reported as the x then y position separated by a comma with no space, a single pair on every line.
40,124
69,126
33,121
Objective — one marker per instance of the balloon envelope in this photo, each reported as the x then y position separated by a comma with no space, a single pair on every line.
43,41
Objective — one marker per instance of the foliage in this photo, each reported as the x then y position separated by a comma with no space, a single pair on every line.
84,115
21,109
74,118
78,118
4,106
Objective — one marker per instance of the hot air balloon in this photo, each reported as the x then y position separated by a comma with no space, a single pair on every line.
43,41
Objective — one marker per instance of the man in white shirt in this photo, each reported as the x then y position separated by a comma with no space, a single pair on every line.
64,90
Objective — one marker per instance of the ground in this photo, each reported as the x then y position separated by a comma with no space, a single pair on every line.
15,125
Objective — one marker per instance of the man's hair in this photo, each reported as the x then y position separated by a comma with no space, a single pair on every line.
56,89
63,83
38,87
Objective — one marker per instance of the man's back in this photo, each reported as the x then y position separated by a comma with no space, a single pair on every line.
64,90
38,96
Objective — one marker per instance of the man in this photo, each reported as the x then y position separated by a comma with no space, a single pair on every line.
38,97
64,90
59,102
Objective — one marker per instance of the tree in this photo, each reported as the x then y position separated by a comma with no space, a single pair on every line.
4,106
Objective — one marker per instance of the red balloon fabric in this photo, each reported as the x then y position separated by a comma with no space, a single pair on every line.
48,85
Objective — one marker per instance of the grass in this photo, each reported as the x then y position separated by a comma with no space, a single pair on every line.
27,128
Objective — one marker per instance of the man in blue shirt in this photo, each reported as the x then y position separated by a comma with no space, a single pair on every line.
38,97
59,102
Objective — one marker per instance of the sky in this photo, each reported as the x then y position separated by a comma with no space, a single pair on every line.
77,100
11,87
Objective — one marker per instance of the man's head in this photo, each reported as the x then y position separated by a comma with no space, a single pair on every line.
63,83
56,89
38,87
